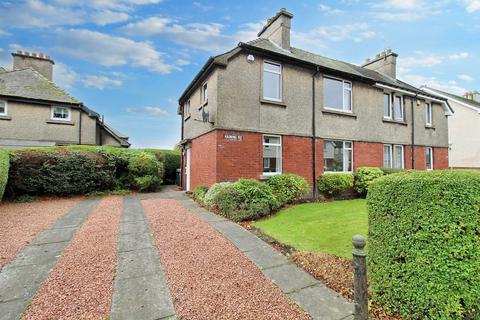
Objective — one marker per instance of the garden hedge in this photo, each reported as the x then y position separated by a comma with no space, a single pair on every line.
424,244
288,187
4,165
363,177
334,184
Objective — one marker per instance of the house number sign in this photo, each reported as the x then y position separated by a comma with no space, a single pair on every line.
233,137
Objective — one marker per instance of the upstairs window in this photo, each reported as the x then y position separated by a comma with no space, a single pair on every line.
337,94
272,155
428,114
337,156
204,93
272,81
398,108
387,106
3,108
429,158
186,109
60,113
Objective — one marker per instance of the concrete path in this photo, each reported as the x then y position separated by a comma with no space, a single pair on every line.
140,289
21,278
310,294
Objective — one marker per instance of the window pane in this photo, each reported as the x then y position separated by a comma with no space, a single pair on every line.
398,157
386,105
398,108
205,92
387,156
271,85
428,156
428,113
333,156
271,67
348,160
60,113
333,94
275,140
2,106
272,155
347,96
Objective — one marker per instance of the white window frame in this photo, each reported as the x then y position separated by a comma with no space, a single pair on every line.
431,158
390,106
390,147
428,113
344,157
5,112
280,84
343,95
186,109
280,162
394,155
52,114
204,92
402,109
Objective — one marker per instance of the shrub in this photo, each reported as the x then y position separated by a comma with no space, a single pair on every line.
146,171
288,187
387,171
333,184
424,244
210,196
172,163
199,193
363,177
4,166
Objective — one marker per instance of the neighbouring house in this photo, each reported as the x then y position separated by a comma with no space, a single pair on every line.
35,112
463,128
265,108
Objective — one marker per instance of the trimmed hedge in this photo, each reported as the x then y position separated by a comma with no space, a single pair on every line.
199,193
171,160
387,171
4,166
424,244
363,177
82,169
334,184
288,187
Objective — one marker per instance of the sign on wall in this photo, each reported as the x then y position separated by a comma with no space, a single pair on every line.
233,137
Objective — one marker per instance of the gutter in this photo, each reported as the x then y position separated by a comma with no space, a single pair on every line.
314,136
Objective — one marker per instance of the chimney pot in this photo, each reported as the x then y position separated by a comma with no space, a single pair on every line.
33,60
277,29
385,62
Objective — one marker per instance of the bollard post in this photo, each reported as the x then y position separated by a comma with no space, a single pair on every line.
360,278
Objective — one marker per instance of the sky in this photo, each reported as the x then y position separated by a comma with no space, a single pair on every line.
130,60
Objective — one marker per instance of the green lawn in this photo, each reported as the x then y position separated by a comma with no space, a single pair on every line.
324,227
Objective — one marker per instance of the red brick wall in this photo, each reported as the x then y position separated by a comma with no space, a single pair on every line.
297,156
420,160
319,157
440,158
203,164
367,154
239,159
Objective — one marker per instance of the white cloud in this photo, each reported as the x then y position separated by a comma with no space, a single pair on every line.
105,17
407,10
465,77
459,56
182,62
328,10
202,6
122,5
107,50
398,4
64,76
448,86
101,82
472,5
153,111
4,33
398,16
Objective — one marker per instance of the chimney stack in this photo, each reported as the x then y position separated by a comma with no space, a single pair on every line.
385,62
472,95
36,61
277,29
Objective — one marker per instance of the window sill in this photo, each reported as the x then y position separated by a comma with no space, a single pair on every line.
395,121
187,118
5,117
340,113
273,102
430,127
204,104
67,123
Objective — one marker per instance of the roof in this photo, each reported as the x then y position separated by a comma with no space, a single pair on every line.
29,84
120,137
470,102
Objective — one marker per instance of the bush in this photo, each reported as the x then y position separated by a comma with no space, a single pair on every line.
146,171
210,196
172,163
424,244
387,171
4,166
199,193
288,187
333,184
363,177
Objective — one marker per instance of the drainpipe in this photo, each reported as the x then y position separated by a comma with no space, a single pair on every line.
413,131
80,128
181,158
314,138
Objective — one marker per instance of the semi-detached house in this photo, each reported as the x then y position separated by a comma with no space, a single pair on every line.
265,108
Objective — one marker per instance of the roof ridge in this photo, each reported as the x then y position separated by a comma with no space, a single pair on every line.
55,85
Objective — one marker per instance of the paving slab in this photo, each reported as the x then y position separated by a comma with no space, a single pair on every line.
241,238
140,288
21,278
289,277
266,257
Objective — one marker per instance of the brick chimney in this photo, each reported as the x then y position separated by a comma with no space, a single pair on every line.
385,62
277,29
39,62
472,95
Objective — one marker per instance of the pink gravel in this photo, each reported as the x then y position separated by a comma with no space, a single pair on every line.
80,286
20,223
208,277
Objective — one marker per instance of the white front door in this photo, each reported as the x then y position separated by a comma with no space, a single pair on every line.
187,170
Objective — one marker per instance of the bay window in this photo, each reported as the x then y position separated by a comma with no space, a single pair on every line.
272,155
337,156
272,81
337,94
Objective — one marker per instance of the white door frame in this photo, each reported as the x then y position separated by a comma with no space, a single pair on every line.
187,168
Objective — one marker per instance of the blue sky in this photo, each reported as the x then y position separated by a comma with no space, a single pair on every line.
131,59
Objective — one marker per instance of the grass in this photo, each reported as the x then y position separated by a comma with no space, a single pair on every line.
322,227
